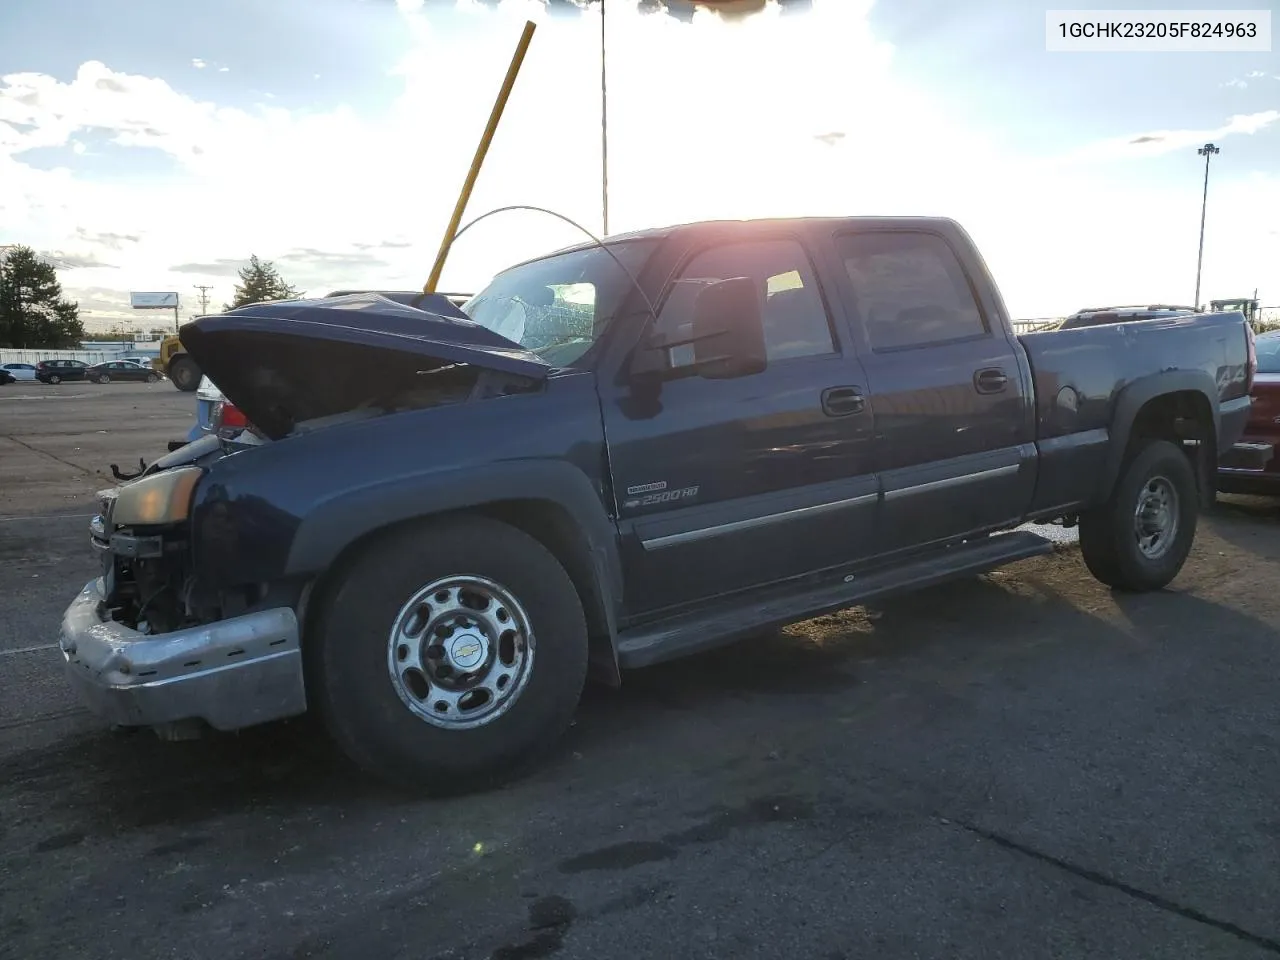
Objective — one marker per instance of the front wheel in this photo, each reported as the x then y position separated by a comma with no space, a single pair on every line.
102,378
450,655
55,379
1140,538
151,378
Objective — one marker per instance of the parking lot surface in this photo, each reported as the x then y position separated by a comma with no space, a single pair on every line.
1019,765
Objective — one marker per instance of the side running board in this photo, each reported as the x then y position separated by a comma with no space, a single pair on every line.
739,616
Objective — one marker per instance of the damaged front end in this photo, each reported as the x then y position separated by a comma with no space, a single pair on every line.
140,647
142,535
157,641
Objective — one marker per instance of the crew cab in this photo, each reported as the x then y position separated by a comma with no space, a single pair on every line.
439,521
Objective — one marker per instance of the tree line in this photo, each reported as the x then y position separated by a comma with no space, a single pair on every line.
33,312
35,315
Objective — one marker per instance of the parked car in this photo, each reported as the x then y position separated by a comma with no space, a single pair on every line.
1254,467
214,414
20,371
682,437
125,370
55,371
6,377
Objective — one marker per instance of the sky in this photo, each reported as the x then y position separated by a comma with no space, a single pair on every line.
154,146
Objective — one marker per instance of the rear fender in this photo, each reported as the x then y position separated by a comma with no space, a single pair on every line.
1134,397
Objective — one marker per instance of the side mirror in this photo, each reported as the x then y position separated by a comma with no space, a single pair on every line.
728,330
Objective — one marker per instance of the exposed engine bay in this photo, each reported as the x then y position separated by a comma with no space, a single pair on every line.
148,575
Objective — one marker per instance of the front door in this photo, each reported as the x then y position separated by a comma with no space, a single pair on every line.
955,435
722,485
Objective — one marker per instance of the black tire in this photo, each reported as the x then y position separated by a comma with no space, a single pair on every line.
103,378
152,377
54,378
1109,539
185,374
348,651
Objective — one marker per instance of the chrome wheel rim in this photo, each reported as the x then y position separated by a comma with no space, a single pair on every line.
1155,518
460,652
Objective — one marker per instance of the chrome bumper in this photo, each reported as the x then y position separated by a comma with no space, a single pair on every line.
1246,458
231,674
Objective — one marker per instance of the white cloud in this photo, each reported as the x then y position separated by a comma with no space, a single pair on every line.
198,63
1156,142
766,116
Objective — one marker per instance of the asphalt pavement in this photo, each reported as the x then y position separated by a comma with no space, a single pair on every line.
1020,765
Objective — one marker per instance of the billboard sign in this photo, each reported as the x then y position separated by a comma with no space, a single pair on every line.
153,301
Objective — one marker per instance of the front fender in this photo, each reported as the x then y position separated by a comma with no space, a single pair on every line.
335,524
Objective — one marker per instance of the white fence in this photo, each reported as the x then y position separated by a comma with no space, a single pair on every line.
9,355
98,355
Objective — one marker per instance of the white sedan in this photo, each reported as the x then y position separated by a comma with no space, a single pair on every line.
20,371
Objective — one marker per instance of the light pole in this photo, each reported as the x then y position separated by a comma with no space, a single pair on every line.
604,131
1207,151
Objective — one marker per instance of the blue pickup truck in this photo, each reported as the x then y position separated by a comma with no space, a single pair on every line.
615,455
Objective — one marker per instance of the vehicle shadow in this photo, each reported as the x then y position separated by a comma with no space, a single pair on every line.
943,638
112,782
947,634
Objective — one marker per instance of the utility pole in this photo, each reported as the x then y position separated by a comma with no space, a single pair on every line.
604,130
204,296
1207,151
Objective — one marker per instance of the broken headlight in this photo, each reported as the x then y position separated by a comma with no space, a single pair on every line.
161,498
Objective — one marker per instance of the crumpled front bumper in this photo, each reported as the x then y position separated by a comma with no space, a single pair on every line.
232,674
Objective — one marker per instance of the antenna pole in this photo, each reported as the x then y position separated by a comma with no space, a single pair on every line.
604,129
478,160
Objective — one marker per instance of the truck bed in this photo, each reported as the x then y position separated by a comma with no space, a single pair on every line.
1081,374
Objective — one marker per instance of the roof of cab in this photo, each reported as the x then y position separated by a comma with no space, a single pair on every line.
662,233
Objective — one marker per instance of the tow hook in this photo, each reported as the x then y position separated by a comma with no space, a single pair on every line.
123,477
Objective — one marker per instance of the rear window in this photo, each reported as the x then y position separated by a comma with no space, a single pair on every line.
910,289
1268,350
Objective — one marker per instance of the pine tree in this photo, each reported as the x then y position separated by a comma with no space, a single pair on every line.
33,313
260,282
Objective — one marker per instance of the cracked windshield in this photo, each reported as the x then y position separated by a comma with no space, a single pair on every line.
639,479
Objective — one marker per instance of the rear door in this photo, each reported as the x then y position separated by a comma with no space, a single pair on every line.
722,485
954,421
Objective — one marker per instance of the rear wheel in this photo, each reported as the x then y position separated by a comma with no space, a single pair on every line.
1139,540
184,373
449,656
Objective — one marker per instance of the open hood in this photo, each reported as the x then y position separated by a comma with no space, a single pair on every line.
288,362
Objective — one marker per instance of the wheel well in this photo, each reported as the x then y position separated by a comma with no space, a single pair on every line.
545,521
1185,418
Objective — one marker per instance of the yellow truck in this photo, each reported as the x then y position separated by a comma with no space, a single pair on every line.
174,363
